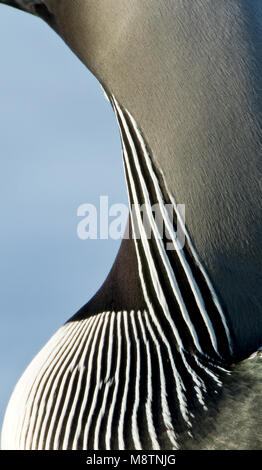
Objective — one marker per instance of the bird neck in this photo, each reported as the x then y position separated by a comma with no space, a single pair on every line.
175,285
190,76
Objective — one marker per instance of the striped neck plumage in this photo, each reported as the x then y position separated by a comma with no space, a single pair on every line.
176,287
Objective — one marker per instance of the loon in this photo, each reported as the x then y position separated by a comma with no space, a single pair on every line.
167,354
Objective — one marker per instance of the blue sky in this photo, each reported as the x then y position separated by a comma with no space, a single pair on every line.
59,148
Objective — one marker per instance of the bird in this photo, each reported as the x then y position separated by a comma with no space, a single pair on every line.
167,354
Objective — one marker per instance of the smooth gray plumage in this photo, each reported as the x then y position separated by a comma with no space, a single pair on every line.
185,81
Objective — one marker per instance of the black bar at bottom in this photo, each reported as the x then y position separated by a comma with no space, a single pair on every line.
125,459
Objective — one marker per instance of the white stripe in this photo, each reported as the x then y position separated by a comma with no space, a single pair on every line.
108,382
209,372
124,397
135,431
149,415
109,430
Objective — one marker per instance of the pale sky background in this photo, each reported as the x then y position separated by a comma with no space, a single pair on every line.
59,148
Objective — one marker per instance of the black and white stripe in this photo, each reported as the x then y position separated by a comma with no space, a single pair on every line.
184,279
130,379
110,382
